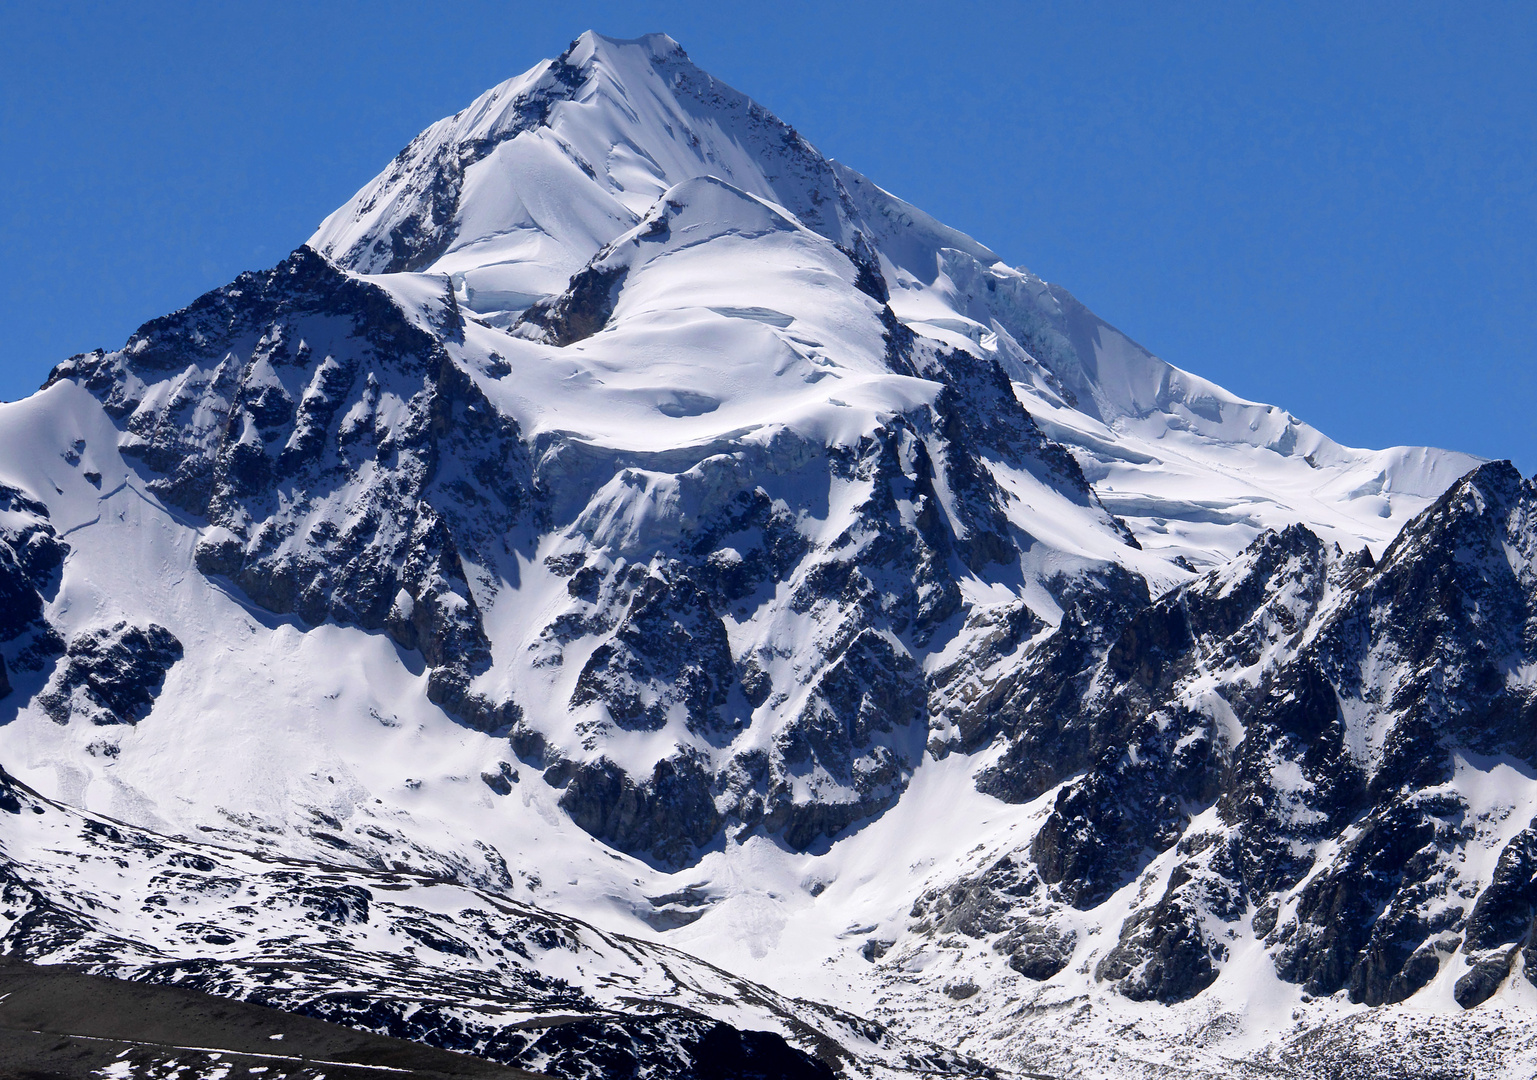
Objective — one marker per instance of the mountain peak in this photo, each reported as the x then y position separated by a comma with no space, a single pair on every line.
516,192
591,45
618,507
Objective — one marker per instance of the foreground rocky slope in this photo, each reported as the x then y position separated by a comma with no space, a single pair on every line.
620,509
406,956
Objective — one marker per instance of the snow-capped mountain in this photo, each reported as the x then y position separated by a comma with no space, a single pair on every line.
623,514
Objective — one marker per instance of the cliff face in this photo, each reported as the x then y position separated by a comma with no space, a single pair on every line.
1283,748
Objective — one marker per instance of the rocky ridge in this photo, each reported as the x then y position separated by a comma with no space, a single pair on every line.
1302,751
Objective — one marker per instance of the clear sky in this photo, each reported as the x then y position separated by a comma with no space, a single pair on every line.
1331,207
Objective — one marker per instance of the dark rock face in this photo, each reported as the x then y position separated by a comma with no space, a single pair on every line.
977,907
1037,950
340,904
1049,736
868,278
724,1053
345,465
1503,913
1481,981
1359,922
1162,955
502,780
1296,697
31,555
670,815
861,700
1502,921
692,1048
582,310
111,676
889,589
668,649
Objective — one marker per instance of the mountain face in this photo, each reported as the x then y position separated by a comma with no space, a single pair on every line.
621,515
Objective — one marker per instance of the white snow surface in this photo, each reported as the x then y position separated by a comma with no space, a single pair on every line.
1195,470
742,333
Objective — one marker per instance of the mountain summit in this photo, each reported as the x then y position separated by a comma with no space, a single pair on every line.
622,529
545,169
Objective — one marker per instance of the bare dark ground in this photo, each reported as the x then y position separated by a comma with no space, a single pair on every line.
59,1024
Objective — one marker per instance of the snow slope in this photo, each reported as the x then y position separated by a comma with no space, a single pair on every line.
613,124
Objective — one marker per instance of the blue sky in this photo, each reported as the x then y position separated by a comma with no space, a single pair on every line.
1331,207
